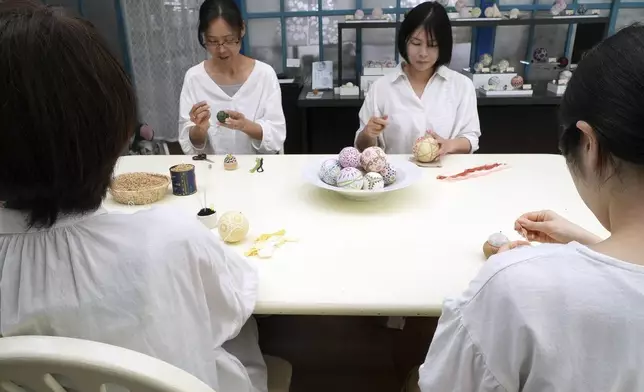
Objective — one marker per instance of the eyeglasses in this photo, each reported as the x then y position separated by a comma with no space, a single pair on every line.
228,42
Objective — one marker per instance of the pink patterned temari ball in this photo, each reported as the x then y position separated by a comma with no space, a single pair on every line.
388,174
517,82
349,157
373,159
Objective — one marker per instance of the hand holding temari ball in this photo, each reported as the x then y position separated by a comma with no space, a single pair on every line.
233,226
426,149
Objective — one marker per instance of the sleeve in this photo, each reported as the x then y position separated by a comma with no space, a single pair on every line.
369,109
454,362
186,101
467,116
230,284
271,119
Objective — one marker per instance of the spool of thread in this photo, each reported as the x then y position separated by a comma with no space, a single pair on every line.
184,181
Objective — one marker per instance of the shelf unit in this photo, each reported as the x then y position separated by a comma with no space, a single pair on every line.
471,22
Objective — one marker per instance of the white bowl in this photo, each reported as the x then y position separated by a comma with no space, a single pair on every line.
407,174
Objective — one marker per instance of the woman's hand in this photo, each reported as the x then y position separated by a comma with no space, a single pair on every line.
447,146
512,245
200,115
549,227
375,126
236,121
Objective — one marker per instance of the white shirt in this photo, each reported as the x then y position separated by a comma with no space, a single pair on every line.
156,282
549,318
447,106
259,99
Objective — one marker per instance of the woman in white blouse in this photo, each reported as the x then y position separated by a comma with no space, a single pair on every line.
567,315
246,90
157,282
423,94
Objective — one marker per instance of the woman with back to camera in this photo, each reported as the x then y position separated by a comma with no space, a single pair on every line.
246,90
423,94
566,316
156,281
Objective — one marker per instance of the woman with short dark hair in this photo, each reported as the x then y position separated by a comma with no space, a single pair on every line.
567,316
157,281
422,94
230,103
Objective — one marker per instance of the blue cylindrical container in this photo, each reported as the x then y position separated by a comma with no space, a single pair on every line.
184,181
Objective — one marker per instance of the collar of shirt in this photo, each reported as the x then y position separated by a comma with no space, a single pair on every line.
442,71
16,222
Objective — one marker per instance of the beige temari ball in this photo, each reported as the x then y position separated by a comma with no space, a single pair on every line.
233,226
426,149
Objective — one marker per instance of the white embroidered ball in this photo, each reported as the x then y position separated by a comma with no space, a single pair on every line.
426,149
232,226
498,240
373,181
329,171
373,159
350,178
349,157
388,174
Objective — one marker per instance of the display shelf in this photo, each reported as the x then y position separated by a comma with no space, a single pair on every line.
469,22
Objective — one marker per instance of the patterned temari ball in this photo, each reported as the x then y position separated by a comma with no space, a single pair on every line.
373,159
350,178
388,174
540,55
426,149
373,181
517,82
349,157
329,171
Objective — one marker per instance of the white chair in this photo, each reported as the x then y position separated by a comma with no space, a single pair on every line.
29,363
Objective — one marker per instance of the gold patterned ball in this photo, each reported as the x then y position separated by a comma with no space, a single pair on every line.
233,226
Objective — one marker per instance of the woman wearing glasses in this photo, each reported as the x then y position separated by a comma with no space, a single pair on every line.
246,90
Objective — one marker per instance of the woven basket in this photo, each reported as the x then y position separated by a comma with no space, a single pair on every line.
143,196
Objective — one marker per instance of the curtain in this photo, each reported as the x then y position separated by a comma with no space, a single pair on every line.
162,43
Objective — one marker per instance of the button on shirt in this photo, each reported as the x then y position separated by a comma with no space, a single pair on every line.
157,282
447,106
557,318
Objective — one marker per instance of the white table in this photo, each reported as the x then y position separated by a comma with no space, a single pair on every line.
399,255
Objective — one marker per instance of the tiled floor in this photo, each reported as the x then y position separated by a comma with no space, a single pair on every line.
346,354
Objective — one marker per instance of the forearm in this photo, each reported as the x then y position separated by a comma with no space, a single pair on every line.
253,130
461,145
198,136
365,141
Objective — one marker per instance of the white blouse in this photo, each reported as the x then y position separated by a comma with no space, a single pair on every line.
157,282
543,318
259,99
447,106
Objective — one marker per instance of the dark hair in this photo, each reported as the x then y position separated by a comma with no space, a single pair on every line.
214,9
432,17
67,111
607,91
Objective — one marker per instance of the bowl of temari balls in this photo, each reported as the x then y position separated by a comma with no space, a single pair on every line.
362,176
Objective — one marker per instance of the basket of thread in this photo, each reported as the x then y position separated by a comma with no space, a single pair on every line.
139,188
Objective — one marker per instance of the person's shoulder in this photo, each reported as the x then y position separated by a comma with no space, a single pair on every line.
456,78
521,270
195,71
265,69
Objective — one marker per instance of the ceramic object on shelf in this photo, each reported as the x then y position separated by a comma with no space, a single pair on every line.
565,75
558,7
359,15
514,13
485,59
464,12
582,10
563,62
494,82
478,67
460,5
476,12
377,13
503,65
493,12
